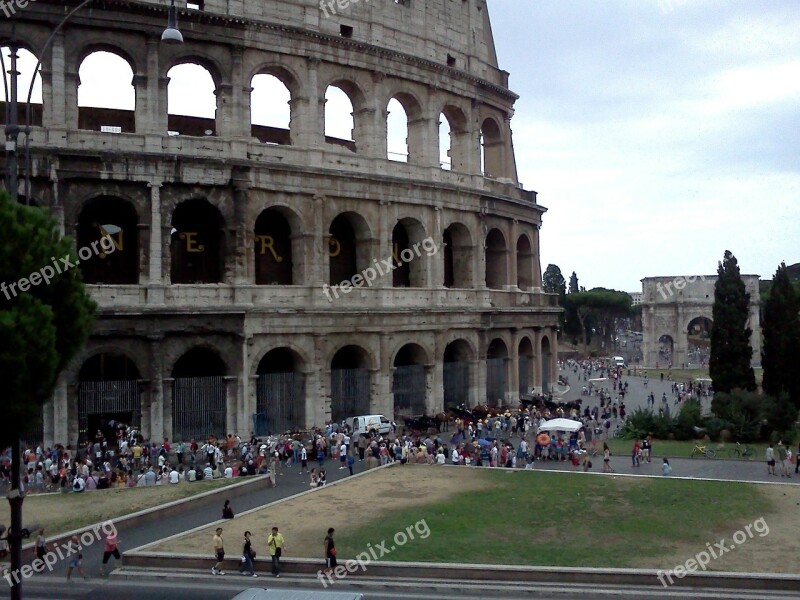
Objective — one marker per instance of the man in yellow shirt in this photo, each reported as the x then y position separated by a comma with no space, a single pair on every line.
219,552
276,545
137,455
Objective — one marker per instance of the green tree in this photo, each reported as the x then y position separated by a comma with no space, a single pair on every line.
553,281
742,409
598,309
731,353
780,413
41,329
781,338
573,283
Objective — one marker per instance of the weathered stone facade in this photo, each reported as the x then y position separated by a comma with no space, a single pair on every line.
213,299
671,304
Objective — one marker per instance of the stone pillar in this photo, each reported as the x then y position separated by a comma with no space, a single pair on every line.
480,255
231,409
307,126
54,89
481,368
242,249
156,94
435,268
318,399
512,394
48,424
430,386
224,126
156,243
423,136
477,382
161,390
438,372
60,412
370,137
511,258
71,82
142,109
384,243
243,411
537,361
238,119
384,397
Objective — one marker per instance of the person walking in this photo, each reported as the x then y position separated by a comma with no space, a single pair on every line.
75,560
607,459
782,455
303,459
666,468
248,555
770,460
219,552
276,545
110,549
41,546
330,552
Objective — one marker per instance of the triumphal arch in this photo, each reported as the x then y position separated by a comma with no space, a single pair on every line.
676,319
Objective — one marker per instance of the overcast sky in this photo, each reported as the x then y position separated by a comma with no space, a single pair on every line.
658,135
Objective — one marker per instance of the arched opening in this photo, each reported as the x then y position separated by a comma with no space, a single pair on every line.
280,393
191,101
666,346
270,110
348,247
407,253
108,395
199,397
525,366
698,341
339,119
547,365
496,260
457,257
524,263
408,380
273,249
496,372
492,149
396,132
26,63
106,94
197,243
454,140
455,374
350,383
116,262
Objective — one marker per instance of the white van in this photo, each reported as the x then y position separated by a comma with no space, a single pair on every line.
370,424
618,361
262,594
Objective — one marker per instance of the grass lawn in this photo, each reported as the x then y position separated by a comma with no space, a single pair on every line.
549,518
682,449
58,513
684,374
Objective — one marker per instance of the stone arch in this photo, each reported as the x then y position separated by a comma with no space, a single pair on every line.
409,385
666,348
492,146
457,148
280,391
349,246
526,364
497,355
278,246
199,396
265,84
411,262
350,382
698,340
413,128
197,244
524,262
26,63
458,249
335,106
192,115
93,46
496,260
115,219
456,366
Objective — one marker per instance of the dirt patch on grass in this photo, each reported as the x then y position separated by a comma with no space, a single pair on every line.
777,551
59,513
304,521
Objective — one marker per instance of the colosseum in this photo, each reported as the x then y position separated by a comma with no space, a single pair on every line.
271,275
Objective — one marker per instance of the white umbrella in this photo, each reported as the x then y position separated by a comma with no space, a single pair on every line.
561,425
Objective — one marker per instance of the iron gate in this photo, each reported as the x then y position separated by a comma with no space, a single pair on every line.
103,401
281,398
496,381
349,393
199,408
456,384
408,387
34,435
524,366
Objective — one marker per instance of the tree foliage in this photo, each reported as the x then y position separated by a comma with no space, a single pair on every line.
731,353
781,339
40,329
553,281
598,309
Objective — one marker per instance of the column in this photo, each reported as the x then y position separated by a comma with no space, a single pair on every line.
156,106
60,412
241,249
156,257
231,396
308,112
512,257
53,90
243,411
537,261
71,82
537,361
512,394
435,269
161,391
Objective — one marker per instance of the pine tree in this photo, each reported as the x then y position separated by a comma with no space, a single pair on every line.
731,353
573,283
553,281
781,339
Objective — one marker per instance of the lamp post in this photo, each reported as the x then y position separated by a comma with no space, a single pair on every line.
171,35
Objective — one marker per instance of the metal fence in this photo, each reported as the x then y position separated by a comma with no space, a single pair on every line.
102,401
496,380
408,387
199,408
281,398
456,384
349,393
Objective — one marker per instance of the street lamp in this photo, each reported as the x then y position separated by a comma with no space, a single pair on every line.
171,35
